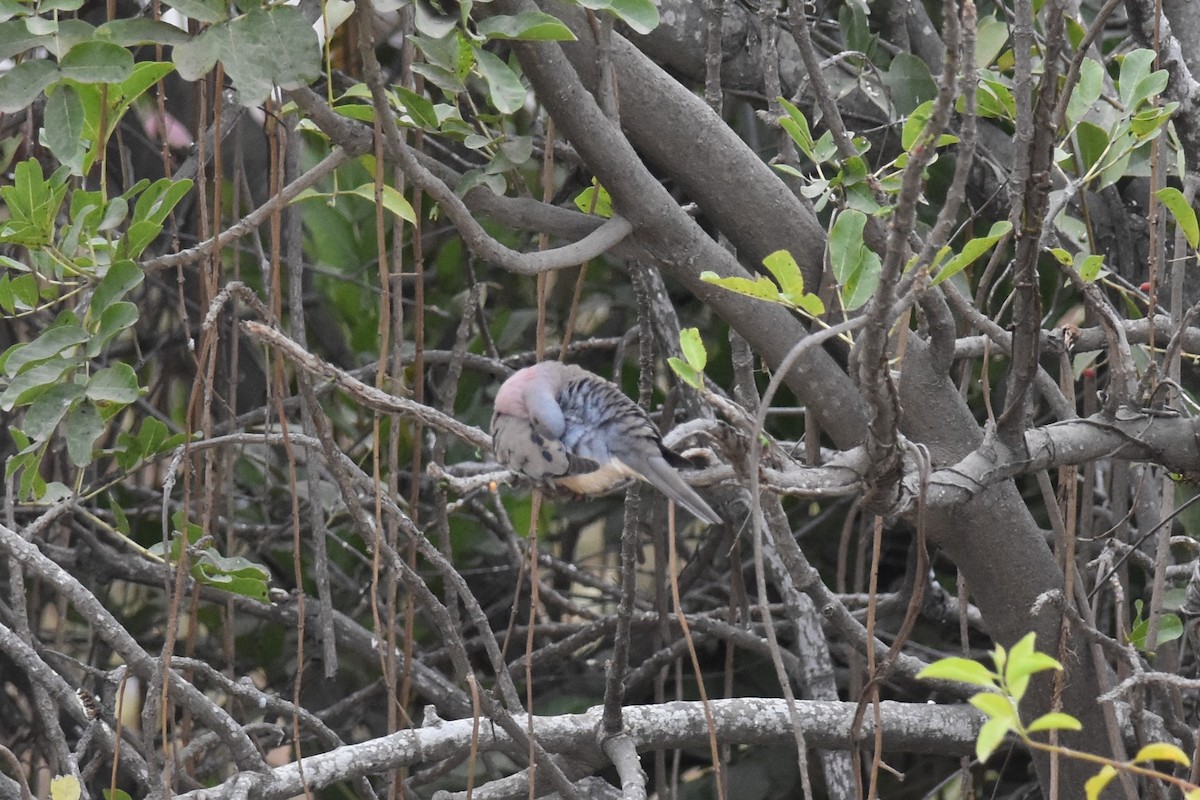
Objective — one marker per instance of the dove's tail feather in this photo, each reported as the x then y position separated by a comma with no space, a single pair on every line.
662,476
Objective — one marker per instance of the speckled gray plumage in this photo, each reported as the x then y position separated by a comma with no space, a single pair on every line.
564,426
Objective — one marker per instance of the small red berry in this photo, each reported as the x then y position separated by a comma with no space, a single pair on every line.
1145,287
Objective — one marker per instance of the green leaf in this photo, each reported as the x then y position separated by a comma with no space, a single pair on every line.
505,89
141,30
1184,214
16,38
25,292
990,37
1135,66
910,85
260,50
796,126
994,100
595,200
201,10
419,108
991,736
1056,721
393,201
960,669
996,706
811,304
65,787
1098,782
1023,662
693,348
63,131
22,84
641,15
196,58
916,124
116,384
138,237
855,265
761,288
84,427
1089,269
117,317
49,344
686,372
145,74
528,25
1147,88
160,199
232,574
787,273
1090,143
971,252
97,62
48,410
1087,90
120,522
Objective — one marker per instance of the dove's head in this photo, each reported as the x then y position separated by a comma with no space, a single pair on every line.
529,393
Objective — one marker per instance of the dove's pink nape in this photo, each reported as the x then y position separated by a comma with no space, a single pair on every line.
511,397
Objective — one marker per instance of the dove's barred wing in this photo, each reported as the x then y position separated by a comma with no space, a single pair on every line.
605,425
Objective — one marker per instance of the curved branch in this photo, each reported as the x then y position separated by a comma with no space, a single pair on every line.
596,243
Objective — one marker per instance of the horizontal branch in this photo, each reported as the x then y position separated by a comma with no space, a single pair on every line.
906,727
365,394
1170,441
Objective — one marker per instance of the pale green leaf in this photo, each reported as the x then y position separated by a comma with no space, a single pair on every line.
959,669
693,348
595,200
1162,751
686,372
1089,268
1098,782
393,201
761,288
1055,720
991,736
996,706
787,273
65,787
